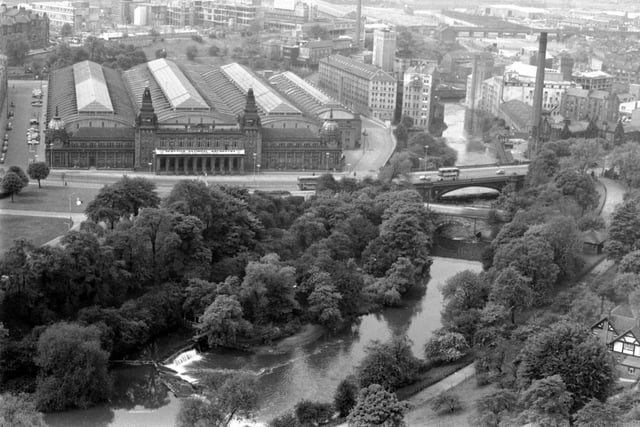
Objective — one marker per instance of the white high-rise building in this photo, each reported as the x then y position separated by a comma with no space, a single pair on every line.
417,97
384,49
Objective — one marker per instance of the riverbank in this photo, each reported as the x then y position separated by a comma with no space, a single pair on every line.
307,335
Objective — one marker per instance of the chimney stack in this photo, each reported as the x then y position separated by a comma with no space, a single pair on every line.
537,97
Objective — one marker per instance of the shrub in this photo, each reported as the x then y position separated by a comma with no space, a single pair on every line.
309,412
446,403
345,396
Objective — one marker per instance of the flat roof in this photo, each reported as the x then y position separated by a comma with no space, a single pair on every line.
92,94
267,99
177,88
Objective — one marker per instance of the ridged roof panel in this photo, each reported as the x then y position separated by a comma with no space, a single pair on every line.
267,99
177,88
92,94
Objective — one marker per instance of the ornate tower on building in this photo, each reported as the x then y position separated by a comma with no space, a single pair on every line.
252,128
330,132
146,125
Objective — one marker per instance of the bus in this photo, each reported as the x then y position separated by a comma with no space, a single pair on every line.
307,182
449,173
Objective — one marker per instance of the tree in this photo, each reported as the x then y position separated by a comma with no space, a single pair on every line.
630,263
546,399
446,347
12,184
446,403
465,294
313,413
324,302
224,397
624,230
399,165
191,52
619,137
377,407
286,420
345,396
580,186
390,364
19,411
585,153
16,48
597,414
161,53
222,322
122,200
73,367
512,290
572,352
267,291
626,158
318,32
23,176
542,168
533,258
498,403
66,30
38,171
214,50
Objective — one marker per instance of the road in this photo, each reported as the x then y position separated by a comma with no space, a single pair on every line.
20,153
378,145
615,196
473,172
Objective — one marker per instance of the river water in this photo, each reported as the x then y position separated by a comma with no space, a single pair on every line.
471,150
310,372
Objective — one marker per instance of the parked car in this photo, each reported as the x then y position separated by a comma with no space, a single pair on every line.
9,126
34,122
36,103
500,172
10,113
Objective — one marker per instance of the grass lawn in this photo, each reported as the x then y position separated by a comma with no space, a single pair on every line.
49,198
468,391
38,230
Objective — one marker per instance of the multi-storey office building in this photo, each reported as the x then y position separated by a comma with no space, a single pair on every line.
362,87
229,12
76,14
384,49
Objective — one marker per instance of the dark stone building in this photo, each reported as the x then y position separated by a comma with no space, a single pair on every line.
30,26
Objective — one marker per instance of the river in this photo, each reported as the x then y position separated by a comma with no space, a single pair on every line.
310,372
470,148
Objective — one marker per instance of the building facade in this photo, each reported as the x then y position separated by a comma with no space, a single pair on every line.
76,14
228,13
384,49
583,104
223,121
30,26
417,95
291,17
518,83
593,80
362,87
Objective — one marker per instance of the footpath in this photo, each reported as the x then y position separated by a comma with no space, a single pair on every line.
420,400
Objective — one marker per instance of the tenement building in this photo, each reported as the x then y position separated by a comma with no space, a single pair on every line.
24,23
165,119
362,87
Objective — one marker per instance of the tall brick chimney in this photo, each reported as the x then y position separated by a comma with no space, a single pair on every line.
537,97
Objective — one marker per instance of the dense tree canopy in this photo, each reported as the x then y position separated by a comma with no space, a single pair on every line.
73,367
377,407
572,352
38,171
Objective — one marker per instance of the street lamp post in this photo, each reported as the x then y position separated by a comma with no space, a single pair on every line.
364,141
327,156
150,166
254,165
78,203
426,151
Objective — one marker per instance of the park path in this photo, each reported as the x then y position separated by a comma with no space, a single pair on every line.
419,401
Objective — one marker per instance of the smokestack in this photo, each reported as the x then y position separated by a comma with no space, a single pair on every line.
537,96
358,23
